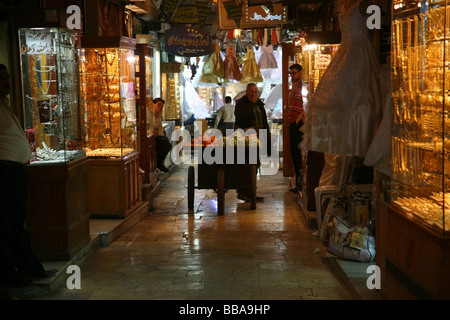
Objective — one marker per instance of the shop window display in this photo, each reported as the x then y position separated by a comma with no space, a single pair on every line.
107,73
412,214
57,216
50,93
420,141
109,105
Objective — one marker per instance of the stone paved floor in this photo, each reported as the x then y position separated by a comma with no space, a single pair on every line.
263,254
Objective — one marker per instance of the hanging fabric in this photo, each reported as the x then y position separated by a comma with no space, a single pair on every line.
231,67
213,68
274,37
278,33
240,52
267,59
266,37
259,37
250,70
230,34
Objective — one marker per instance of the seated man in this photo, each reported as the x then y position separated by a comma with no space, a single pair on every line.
163,145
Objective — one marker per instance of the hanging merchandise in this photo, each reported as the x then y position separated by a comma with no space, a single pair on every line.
250,70
240,52
230,34
259,37
278,34
213,68
267,59
231,67
274,37
266,37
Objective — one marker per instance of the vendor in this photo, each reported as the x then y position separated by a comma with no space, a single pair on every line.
163,145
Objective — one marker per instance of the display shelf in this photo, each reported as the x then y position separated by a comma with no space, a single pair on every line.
107,94
49,61
57,216
421,104
107,73
144,96
412,210
171,88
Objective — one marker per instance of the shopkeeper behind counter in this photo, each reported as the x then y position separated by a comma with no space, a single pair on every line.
163,145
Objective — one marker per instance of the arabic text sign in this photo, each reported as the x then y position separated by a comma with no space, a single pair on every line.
39,41
321,61
187,42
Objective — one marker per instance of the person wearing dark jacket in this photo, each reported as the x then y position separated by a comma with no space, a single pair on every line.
250,114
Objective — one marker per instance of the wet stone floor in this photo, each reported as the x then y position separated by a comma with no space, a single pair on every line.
175,253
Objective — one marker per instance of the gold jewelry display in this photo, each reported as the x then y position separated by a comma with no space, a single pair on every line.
420,140
106,121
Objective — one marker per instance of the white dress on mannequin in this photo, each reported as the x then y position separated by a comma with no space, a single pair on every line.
343,114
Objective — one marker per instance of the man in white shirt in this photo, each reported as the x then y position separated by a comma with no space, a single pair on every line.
18,263
226,114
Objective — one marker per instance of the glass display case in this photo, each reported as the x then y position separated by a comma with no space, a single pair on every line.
144,96
171,87
107,73
108,97
421,114
144,83
49,64
57,216
412,208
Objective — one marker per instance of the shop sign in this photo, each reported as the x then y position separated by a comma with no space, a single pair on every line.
243,16
265,16
38,41
321,61
187,42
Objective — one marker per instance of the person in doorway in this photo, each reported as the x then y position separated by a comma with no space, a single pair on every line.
296,118
226,115
19,264
251,114
163,145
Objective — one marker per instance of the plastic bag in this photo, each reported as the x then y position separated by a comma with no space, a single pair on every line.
352,243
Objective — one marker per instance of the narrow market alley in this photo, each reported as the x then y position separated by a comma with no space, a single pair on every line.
268,253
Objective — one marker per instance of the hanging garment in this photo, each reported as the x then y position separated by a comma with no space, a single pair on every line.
265,37
230,34
240,54
278,34
213,68
250,70
259,37
273,75
343,114
267,59
274,37
231,67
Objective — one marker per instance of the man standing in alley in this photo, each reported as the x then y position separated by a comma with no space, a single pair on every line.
251,114
18,263
296,117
